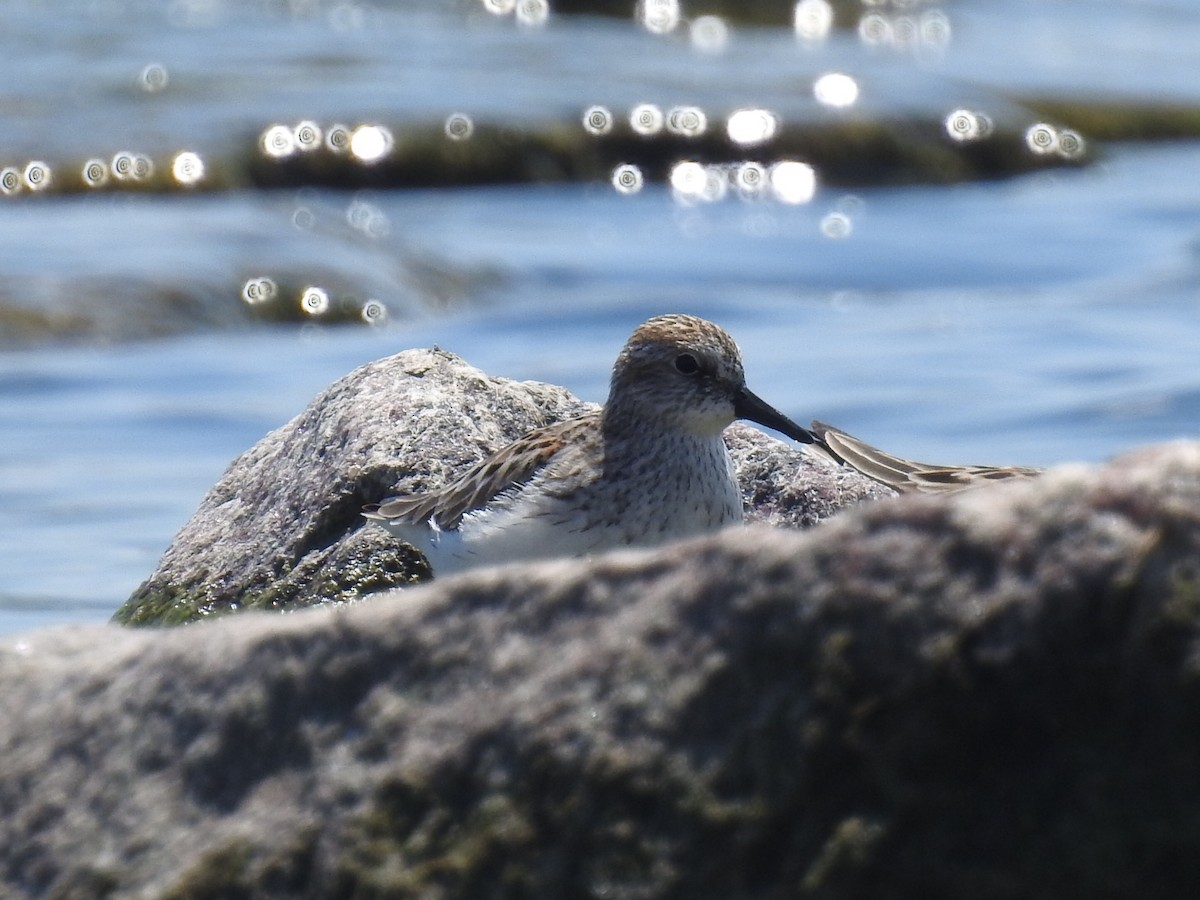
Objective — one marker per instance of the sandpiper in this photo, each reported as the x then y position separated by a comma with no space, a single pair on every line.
648,467
907,476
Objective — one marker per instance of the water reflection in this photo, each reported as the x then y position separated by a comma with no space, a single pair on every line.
374,312
966,125
813,19
935,29
337,139
124,166
277,141
627,179
10,180
688,180
370,143
367,218
1042,138
836,90
259,290
1070,144
95,173
307,136
459,127
836,225
659,16
153,78
750,178
710,34
500,7
687,121
597,120
749,127
37,176
788,181
314,301
533,12
143,167
646,119
793,182
187,168
928,30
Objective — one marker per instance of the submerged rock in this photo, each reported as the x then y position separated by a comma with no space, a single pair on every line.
992,695
283,526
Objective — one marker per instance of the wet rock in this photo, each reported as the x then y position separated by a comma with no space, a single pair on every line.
282,528
993,694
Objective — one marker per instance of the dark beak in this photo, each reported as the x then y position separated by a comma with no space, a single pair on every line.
747,405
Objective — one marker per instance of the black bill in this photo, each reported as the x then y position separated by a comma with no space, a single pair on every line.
747,405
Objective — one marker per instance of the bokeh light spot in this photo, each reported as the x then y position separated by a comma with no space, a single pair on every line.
709,34
303,218
123,166
935,29
277,142
533,12
813,19
95,173
687,121
370,143
459,127
187,168
659,16
752,126
837,225
875,30
750,178
836,90
967,125
143,167
314,301
793,182
307,135
337,139
37,176
597,120
1070,144
687,179
627,179
10,180
646,119
1042,138
259,290
374,312
153,78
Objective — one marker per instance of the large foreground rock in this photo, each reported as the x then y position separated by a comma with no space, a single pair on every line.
991,695
283,527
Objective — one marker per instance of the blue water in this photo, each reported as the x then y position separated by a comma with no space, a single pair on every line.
1037,320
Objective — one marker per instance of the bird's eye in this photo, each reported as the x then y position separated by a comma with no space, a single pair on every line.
686,363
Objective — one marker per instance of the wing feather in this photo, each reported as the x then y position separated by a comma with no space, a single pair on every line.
905,474
509,467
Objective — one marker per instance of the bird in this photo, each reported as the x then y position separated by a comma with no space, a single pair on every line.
648,467
906,476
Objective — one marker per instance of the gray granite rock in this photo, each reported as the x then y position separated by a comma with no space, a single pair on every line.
993,695
282,528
